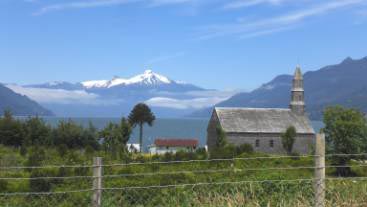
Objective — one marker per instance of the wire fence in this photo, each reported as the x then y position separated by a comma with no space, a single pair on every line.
288,181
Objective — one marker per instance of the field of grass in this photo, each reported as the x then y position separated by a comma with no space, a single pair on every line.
240,182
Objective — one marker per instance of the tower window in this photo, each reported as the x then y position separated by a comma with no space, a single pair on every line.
271,143
257,143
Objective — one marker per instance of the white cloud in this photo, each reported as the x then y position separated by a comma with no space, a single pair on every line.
82,5
196,103
275,24
167,2
59,96
247,3
213,93
197,100
265,32
104,3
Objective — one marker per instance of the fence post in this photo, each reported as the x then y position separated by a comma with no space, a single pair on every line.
97,182
320,171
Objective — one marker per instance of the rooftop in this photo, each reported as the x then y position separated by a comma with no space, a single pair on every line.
261,120
176,142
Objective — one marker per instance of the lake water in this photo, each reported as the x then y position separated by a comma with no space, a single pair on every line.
162,128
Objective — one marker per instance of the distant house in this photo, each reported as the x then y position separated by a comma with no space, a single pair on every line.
164,145
133,148
262,127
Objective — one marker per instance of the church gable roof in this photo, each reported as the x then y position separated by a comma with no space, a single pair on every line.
258,120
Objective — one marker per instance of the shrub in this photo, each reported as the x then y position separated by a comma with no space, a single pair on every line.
168,156
223,152
346,133
39,185
3,185
36,156
11,130
23,151
201,154
244,148
288,139
62,150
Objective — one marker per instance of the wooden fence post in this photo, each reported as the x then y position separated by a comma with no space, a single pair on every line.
97,182
320,171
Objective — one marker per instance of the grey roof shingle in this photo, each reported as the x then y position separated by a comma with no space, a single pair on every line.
259,120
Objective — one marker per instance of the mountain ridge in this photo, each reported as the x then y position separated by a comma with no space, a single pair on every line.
20,105
342,84
146,79
117,96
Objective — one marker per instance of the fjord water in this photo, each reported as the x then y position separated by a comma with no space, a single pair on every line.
163,128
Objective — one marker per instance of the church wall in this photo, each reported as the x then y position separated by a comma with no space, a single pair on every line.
212,131
303,144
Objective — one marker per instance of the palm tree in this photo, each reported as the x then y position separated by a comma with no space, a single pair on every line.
140,115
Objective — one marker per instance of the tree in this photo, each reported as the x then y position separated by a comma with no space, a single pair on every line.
221,137
346,133
70,134
11,130
140,115
116,136
288,139
222,148
36,132
90,137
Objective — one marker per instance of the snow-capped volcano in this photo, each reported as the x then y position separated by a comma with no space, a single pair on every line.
116,96
147,78
144,82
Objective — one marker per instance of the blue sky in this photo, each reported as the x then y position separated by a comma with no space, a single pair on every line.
221,44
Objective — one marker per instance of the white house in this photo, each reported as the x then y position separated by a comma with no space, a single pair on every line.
133,147
162,146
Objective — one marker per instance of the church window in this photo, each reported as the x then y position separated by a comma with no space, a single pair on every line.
257,143
271,143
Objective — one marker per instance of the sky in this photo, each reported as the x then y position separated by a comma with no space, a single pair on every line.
216,44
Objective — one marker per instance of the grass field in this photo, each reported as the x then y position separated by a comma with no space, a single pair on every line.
240,182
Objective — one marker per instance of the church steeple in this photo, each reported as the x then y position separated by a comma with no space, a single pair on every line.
297,104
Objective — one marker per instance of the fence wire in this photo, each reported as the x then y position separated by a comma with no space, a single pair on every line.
222,182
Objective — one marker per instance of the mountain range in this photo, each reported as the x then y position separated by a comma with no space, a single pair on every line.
117,96
344,84
143,82
20,105
341,84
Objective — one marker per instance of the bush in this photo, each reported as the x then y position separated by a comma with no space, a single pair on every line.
295,155
41,185
182,155
23,151
288,139
3,185
201,154
223,152
244,148
36,156
62,150
168,156
11,130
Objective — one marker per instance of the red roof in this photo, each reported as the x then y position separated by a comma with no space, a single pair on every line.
176,142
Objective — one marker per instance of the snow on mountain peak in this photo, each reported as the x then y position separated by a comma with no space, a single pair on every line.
147,78
148,72
95,84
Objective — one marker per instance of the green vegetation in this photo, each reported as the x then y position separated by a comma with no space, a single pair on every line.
140,115
224,182
225,150
288,139
346,133
226,175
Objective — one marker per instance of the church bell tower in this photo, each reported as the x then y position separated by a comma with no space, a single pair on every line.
297,104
